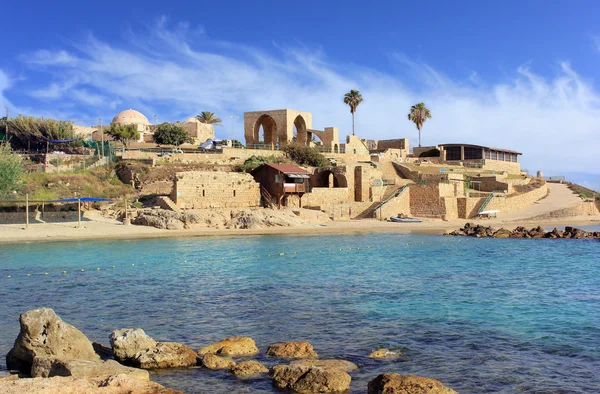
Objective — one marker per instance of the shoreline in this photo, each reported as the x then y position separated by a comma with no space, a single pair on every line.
113,230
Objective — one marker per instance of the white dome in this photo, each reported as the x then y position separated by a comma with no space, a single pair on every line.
130,116
191,120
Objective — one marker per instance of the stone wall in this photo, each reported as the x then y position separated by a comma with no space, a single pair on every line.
451,207
425,201
517,202
498,165
199,189
587,208
321,197
396,206
490,184
468,206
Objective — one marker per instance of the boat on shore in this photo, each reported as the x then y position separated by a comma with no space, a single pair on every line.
405,219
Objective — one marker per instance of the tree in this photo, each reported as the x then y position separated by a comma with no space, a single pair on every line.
208,117
171,134
419,113
353,98
27,131
11,169
306,155
123,132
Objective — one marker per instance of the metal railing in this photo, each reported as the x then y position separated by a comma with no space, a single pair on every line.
488,200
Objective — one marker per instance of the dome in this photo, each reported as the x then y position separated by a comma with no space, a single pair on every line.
191,120
130,116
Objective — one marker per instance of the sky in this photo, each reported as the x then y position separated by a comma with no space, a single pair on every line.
520,75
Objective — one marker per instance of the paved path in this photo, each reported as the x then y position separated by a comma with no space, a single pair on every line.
560,197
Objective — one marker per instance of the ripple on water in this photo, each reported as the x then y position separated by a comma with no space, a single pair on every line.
480,315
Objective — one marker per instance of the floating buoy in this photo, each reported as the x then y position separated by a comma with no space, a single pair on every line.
82,270
45,273
282,254
114,266
9,276
64,272
98,269
133,265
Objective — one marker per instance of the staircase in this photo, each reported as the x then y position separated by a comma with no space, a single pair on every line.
368,213
165,202
487,200
266,197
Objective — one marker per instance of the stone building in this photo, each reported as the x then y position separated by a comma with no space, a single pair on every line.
199,131
278,126
136,118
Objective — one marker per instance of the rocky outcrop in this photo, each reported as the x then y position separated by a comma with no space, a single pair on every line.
133,347
44,334
248,369
299,349
46,367
480,231
384,353
232,346
119,384
344,365
212,361
393,383
305,379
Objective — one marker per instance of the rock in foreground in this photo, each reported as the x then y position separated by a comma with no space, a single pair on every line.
133,347
303,379
384,353
247,369
479,231
232,346
47,367
299,349
45,334
120,384
212,361
393,383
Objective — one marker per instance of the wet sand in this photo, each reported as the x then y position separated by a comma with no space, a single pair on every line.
112,229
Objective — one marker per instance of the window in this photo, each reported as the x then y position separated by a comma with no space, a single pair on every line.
278,178
452,153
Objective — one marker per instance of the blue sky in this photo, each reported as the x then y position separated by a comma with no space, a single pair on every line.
520,75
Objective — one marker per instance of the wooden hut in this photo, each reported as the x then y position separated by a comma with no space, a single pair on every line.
278,181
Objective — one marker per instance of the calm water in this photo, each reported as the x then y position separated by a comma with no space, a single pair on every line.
481,315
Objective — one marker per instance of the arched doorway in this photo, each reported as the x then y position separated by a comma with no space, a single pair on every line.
267,125
302,136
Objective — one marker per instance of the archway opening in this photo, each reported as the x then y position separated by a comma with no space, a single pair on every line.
301,135
265,130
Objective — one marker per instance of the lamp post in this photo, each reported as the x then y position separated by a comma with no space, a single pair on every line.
233,117
101,136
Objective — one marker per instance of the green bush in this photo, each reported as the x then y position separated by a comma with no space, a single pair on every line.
171,134
254,161
305,155
11,169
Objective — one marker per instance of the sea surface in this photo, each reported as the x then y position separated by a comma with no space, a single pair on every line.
480,315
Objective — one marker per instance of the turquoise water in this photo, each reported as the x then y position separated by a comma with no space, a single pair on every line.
481,315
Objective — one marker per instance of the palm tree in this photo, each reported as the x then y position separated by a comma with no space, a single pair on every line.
419,113
208,117
353,98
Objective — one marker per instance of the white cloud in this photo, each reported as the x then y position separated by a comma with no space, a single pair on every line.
177,72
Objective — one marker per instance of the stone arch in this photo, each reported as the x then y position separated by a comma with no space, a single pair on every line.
336,148
303,136
332,179
269,127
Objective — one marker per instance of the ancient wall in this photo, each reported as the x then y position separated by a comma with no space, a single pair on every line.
425,201
468,206
498,165
451,207
321,197
355,146
200,132
490,184
396,206
587,208
517,202
199,189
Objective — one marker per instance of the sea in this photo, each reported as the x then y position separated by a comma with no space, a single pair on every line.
480,315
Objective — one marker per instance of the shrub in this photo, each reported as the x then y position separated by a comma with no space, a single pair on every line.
11,169
171,134
305,155
254,161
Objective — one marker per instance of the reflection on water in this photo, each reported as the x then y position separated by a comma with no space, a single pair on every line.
478,314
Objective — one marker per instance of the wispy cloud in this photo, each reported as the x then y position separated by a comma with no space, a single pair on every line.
176,72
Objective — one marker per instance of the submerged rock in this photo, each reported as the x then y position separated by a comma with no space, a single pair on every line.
232,346
133,347
393,383
212,361
384,353
44,334
304,379
300,349
480,231
247,369
344,365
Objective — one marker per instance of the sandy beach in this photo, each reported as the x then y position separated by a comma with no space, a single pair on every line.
113,229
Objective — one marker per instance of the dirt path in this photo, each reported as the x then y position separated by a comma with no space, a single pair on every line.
559,197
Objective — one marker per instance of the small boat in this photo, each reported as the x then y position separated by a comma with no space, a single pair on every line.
405,219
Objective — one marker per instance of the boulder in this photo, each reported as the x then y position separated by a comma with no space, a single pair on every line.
133,347
212,361
232,346
344,365
43,333
502,233
304,379
393,383
119,384
46,367
103,351
299,349
247,369
384,353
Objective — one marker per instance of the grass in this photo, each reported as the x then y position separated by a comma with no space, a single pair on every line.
583,192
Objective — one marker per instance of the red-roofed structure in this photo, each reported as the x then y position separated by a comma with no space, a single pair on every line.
278,181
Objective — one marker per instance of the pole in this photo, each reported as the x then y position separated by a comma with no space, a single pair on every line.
101,136
233,117
26,210
78,212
